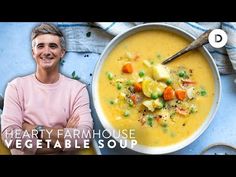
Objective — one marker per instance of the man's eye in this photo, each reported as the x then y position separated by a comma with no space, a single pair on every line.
53,46
39,46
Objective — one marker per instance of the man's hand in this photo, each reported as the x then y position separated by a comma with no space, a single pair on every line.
45,150
28,127
73,122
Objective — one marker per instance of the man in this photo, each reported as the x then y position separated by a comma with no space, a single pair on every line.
46,112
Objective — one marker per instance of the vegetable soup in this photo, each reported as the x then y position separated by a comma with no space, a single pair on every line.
165,104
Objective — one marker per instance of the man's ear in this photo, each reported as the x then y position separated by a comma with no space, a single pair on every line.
32,51
63,51
32,47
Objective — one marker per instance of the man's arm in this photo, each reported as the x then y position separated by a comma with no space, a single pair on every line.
80,121
81,110
11,121
51,135
46,148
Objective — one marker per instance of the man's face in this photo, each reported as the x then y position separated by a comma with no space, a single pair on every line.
47,51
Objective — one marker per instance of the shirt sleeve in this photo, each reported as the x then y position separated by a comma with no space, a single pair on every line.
84,128
11,122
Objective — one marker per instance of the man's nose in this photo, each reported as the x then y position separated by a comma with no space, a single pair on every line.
47,50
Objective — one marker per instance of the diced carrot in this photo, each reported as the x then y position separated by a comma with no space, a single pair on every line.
133,98
158,119
169,93
180,94
127,68
138,87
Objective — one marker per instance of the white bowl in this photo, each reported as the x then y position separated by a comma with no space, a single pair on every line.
201,129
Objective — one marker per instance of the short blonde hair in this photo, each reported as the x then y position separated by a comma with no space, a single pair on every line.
46,28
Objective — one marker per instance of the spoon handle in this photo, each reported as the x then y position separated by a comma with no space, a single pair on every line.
201,40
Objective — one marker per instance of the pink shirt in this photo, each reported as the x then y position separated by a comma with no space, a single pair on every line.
51,105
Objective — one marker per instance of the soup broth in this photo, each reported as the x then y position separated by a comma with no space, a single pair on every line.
163,103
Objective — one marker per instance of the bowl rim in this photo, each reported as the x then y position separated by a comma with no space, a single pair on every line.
163,149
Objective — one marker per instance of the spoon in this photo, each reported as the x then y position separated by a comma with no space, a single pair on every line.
200,41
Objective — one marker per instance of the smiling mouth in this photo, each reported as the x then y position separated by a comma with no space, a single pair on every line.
46,60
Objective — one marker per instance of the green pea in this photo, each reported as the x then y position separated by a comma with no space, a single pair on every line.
141,73
126,113
154,95
182,73
109,75
169,82
129,82
203,92
119,86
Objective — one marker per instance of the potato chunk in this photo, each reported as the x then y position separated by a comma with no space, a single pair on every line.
160,72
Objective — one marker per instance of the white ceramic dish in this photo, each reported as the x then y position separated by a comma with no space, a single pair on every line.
194,136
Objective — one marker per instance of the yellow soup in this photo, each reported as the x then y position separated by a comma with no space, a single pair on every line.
3,149
164,104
